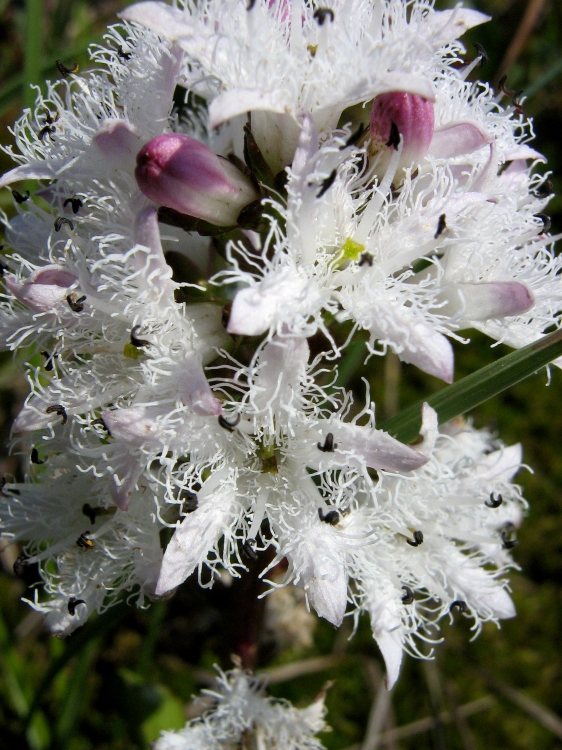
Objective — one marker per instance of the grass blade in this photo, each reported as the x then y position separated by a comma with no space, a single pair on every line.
478,387
33,48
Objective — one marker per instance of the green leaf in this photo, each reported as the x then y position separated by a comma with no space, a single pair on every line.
478,387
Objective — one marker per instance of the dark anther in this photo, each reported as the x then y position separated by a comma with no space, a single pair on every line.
90,512
47,130
545,222
441,226
19,564
19,198
508,543
48,360
189,500
139,343
3,266
75,203
494,502
365,258
75,304
417,540
123,55
546,189
408,597
321,14
329,445
73,602
248,549
517,101
229,425
332,517
250,4
64,71
101,422
84,541
58,409
394,138
502,87
355,136
459,604
225,317
481,53
60,220
35,457
327,183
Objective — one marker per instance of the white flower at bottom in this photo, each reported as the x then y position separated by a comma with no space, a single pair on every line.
243,717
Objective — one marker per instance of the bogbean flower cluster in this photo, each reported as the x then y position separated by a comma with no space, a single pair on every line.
315,166
242,714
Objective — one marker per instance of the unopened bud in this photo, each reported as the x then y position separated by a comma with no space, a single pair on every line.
399,115
177,171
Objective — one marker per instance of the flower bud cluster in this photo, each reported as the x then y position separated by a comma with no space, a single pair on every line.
328,166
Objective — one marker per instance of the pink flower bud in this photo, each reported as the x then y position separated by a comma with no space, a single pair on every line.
401,114
177,171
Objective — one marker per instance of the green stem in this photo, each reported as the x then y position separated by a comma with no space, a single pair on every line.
478,387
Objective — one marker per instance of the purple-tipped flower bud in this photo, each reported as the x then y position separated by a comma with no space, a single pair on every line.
177,171
399,114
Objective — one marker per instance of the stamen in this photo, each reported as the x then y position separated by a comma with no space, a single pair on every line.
64,71
19,564
332,517
75,203
84,541
508,543
123,55
60,220
49,364
327,183
250,4
482,54
321,14
19,198
190,503
35,457
441,226
418,539
547,223
138,343
517,101
329,445
394,138
75,305
58,409
93,513
229,425
73,602
460,604
248,550
365,258
408,597
494,502
101,422
354,137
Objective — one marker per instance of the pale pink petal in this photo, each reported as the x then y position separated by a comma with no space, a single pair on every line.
169,22
445,26
118,141
27,172
239,101
457,139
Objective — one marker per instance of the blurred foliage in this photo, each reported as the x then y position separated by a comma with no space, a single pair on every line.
128,674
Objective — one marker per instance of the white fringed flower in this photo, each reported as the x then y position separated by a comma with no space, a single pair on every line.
145,416
242,713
